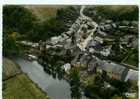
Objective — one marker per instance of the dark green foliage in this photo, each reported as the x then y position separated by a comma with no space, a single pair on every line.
48,29
118,15
68,15
120,86
56,25
97,90
118,54
93,90
75,83
52,63
17,19
132,58
115,14
10,47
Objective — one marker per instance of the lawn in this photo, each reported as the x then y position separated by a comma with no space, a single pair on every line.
132,59
44,12
9,69
17,85
21,87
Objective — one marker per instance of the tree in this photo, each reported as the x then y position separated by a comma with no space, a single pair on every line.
75,83
10,47
96,89
116,97
68,15
18,19
120,86
49,28
56,25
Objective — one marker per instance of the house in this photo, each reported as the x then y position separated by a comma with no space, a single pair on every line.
92,65
107,85
132,75
91,50
99,39
67,67
98,47
115,71
85,59
108,21
125,22
102,33
31,57
55,40
106,51
92,43
114,25
130,95
107,26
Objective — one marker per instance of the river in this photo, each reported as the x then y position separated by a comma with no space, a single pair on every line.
56,89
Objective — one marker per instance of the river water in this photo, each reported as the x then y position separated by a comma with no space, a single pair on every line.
56,89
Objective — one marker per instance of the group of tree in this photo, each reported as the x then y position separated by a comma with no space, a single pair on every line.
98,89
115,13
56,25
17,23
75,83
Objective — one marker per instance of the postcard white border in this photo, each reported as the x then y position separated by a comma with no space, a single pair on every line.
59,2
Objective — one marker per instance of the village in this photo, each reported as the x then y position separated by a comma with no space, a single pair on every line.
94,49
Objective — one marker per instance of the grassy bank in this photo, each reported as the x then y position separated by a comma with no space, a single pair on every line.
19,86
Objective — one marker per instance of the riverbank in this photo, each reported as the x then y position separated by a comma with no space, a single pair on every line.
17,85
45,81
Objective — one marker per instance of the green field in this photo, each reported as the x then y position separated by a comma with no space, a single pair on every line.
18,85
44,12
132,58
10,69
21,87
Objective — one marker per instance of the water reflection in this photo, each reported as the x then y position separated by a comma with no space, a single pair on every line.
55,88
56,71
50,81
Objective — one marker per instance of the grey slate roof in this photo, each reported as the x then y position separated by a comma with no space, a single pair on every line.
112,67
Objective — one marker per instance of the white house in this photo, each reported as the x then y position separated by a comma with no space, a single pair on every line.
67,67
